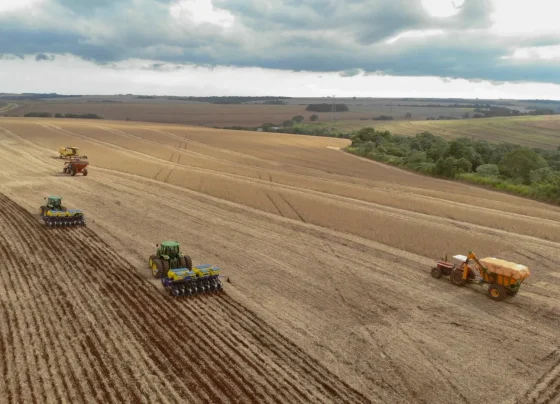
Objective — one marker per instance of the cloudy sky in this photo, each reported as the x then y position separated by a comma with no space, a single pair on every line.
434,48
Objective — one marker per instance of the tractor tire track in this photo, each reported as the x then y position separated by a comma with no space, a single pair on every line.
76,299
546,389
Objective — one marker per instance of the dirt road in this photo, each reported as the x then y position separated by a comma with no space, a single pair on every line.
326,252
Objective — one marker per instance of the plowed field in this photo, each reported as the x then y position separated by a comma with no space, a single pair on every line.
330,297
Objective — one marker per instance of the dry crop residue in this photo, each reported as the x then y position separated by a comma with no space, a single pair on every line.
328,250
82,325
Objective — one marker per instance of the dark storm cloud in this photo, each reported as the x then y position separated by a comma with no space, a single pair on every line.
312,35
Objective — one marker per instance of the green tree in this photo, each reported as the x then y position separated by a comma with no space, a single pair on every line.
463,165
416,157
449,168
288,124
298,118
314,118
520,162
488,170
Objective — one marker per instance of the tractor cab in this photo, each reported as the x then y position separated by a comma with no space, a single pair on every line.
54,202
169,248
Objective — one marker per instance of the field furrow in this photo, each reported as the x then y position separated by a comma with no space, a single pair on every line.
327,257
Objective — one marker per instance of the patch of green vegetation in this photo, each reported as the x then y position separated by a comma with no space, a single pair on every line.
533,173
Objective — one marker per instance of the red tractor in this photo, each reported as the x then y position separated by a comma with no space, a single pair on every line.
76,165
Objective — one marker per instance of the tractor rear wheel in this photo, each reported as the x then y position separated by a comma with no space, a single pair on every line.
165,265
457,278
497,292
157,268
512,293
186,262
436,272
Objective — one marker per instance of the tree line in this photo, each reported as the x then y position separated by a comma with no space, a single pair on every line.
58,115
531,172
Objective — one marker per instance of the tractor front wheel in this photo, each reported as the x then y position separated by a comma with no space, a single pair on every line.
457,278
151,260
497,292
436,272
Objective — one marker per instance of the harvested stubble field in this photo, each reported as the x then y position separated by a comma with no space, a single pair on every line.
251,114
330,298
531,131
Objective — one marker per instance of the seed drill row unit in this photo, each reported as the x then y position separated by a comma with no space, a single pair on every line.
54,214
177,274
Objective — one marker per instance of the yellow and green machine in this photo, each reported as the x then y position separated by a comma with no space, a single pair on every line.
178,276
54,214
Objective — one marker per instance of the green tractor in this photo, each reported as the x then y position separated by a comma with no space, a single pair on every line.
54,214
168,256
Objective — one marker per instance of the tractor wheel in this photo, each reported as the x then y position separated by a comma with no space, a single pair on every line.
512,293
185,262
165,265
436,272
188,261
497,292
157,268
457,278
151,260
85,172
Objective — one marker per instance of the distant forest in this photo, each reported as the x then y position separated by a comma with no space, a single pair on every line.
229,99
33,96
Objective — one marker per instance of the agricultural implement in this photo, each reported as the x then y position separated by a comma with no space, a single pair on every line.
54,214
177,274
502,277
76,165
68,151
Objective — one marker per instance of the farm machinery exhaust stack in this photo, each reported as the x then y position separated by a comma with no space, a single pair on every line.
177,274
502,277
54,214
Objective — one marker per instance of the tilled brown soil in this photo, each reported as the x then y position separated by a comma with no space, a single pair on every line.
328,250
79,324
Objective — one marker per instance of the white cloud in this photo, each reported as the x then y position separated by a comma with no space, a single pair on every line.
200,12
442,8
17,5
415,34
66,75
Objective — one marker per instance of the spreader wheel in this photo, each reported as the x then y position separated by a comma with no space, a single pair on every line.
436,272
497,292
457,277
85,172
72,171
